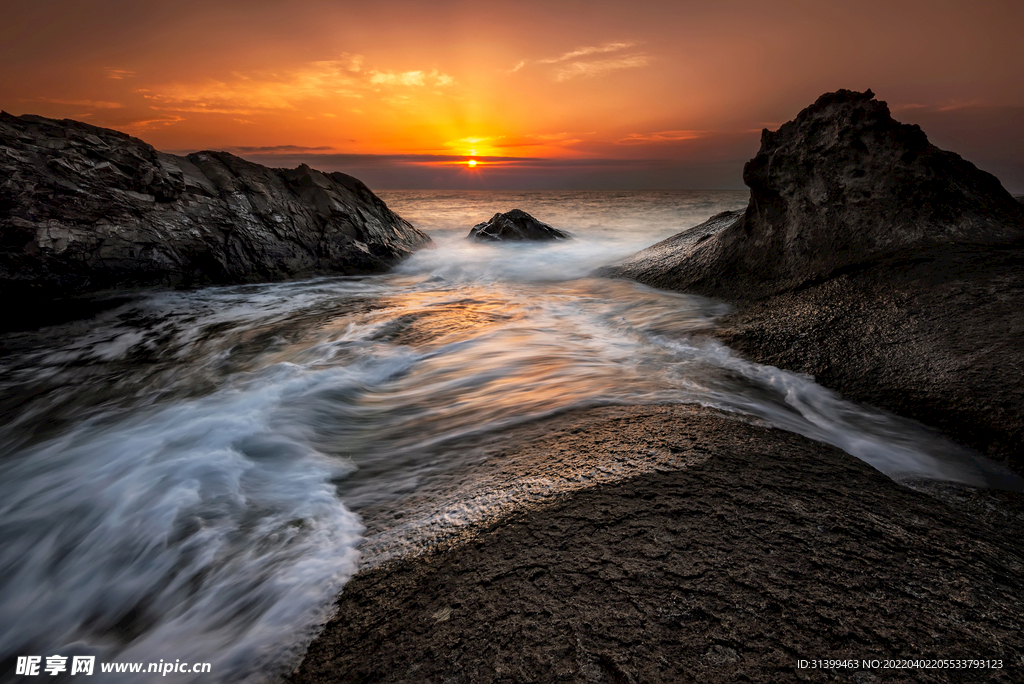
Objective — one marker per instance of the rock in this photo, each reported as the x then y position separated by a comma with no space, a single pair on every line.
516,225
886,268
758,547
842,185
85,209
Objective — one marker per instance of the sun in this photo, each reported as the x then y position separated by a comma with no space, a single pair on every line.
472,163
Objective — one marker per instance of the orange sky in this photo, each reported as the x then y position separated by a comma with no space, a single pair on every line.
557,94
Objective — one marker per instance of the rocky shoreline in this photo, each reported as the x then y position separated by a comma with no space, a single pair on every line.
937,337
86,209
889,270
756,549
883,266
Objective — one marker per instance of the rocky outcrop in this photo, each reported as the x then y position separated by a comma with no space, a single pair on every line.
85,208
753,548
840,186
883,266
515,225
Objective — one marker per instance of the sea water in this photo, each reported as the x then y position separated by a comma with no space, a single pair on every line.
181,476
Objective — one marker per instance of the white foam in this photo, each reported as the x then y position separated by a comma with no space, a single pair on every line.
205,526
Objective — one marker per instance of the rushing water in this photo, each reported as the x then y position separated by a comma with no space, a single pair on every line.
179,474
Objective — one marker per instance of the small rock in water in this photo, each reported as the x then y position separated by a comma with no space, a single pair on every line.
516,225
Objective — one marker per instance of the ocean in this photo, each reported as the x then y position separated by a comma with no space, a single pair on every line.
186,476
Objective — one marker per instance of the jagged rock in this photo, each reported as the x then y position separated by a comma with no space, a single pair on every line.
85,208
842,185
883,266
515,225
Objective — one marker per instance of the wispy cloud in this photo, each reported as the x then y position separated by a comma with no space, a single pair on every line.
118,74
660,136
278,149
143,125
541,142
411,78
91,104
341,161
584,51
593,68
940,107
572,64
250,93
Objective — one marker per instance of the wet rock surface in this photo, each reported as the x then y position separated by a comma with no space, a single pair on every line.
938,337
759,548
886,268
85,209
515,225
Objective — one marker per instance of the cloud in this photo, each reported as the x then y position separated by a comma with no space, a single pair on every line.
246,94
584,51
142,125
945,107
462,142
570,65
275,149
410,78
118,74
338,161
660,136
91,104
601,66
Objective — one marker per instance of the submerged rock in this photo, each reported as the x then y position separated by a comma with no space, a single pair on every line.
85,208
515,225
883,266
841,185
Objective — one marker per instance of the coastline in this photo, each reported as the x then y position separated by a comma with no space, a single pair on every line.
758,548
934,336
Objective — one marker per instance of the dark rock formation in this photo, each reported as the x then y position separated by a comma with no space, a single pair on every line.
760,548
937,337
515,225
841,185
85,208
883,266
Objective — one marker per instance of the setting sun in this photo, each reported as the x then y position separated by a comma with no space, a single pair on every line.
472,163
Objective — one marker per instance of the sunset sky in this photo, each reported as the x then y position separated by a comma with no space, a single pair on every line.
589,94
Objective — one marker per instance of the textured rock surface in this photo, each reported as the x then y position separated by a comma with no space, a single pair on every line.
840,186
515,225
938,337
884,267
85,208
761,548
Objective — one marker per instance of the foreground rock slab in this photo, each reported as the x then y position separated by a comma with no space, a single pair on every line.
515,225
85,208
762,548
